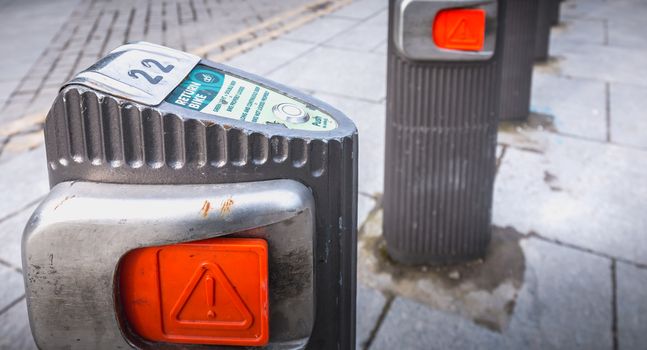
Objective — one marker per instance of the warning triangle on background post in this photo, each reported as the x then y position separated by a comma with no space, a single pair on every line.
462,34
210,301
460,29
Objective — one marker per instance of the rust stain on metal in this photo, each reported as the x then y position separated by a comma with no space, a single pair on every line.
206,207
225,207
63,201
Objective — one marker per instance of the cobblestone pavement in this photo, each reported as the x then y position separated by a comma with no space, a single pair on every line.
214,29
567,267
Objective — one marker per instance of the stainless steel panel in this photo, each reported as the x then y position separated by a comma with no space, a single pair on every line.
75,239
412,31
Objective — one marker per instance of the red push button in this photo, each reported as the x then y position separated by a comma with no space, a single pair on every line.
207,292
459,29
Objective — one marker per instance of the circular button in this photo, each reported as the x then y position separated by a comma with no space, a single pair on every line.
290,113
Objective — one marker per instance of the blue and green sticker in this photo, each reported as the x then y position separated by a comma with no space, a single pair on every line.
199,88
210,91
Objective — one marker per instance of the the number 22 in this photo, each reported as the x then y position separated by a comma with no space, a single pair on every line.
135,73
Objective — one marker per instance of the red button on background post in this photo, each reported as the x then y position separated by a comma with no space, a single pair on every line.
208,292
459,29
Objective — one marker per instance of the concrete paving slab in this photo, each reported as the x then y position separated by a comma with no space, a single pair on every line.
381,48
13,287
337,71
578,106
26,42
606,63
628,33
625,22
410,325
361,9
365,205
369,118
527,135
565,302
482,291
21,143
579,192
23,180
320,30
587,9
11,236
586,30
6,88
632,306
14,328
364,37
370,303
557,308
270,56
627,11
628,115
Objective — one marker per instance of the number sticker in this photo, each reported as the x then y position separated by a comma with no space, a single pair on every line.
133,73
141,72
165,69
147,63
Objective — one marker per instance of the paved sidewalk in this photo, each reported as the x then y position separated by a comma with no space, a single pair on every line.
567,267
26,42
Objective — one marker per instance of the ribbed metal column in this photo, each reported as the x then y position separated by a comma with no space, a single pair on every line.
440,156
542,41
518,58
554,11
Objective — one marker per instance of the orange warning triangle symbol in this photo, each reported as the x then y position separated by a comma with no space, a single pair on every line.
461,33
211,301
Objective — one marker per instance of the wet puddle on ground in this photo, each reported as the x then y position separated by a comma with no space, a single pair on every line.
483,290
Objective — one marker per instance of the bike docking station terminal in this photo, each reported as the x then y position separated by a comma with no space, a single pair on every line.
192,206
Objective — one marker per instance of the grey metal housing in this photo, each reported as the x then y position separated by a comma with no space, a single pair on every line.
542,41
413,20
555,7
77,236
518,59
91,136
